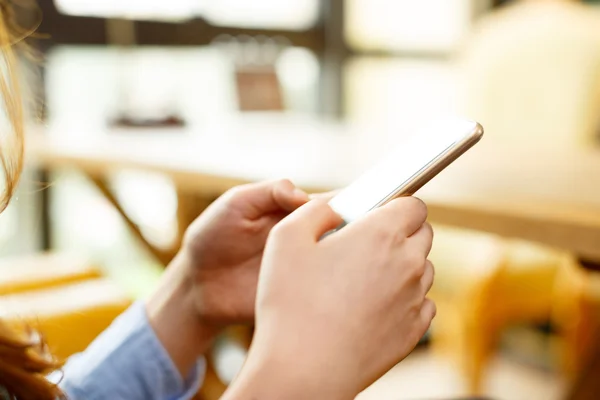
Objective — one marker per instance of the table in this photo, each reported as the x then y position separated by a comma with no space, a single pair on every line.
547,196
550,196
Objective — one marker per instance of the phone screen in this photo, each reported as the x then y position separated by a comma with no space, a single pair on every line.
398,167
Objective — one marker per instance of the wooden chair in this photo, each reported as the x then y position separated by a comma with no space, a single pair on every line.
502,282
69,316
479,289
44,270
62,295
530,68
576,315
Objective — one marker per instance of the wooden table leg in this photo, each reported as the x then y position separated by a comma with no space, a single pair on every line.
43,177
163,256
189,207
587,384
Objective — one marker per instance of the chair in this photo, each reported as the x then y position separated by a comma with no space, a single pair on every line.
501,282
44,270
576,315
62,295
69,316
530,68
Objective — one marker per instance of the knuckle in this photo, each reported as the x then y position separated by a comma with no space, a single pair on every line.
281,231
416,264
431,310
410,208
410,202
429,229
420,205
279,185
323,206
431,271
430,266
282,182
234,193
322,209
420,268
385,235
417,208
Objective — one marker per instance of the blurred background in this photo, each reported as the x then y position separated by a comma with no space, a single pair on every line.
142,112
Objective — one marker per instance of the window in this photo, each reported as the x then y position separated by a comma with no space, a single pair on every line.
264,14
408,26
398,90
134,9
272,14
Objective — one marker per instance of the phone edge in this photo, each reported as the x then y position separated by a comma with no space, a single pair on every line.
437,165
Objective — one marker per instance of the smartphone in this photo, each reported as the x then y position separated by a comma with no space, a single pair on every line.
408,167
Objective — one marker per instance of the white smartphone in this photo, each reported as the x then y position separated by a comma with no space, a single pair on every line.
408,167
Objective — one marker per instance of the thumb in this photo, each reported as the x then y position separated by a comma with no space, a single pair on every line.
315,218
258,199
324,196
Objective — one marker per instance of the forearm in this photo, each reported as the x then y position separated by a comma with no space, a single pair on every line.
172,315
272,377
127,361
152,351
265,384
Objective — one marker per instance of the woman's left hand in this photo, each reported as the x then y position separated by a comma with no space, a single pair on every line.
223,248
212,281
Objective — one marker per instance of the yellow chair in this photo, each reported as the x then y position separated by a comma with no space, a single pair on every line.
45,270
466,263
485,283
69,316
576,316
531,76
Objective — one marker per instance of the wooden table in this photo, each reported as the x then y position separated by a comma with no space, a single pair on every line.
551,196
547,196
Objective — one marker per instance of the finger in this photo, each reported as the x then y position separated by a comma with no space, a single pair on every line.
288,196
428,311
428,276
323,196
266,224
314,218
407,214
258,199
423,239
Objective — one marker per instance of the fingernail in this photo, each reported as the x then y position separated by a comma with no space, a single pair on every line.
300,194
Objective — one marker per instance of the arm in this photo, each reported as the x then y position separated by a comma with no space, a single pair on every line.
153,351
172,314
128,361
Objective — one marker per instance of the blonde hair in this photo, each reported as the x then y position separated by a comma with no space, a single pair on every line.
24,358
12,147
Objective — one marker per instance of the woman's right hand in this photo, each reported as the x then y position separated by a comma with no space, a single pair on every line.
333,315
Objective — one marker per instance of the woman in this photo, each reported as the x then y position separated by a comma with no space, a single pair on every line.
331,316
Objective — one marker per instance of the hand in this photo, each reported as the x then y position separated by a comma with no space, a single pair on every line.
334,315
212,281
224,248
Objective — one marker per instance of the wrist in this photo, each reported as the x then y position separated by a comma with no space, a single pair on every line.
267,375
172,314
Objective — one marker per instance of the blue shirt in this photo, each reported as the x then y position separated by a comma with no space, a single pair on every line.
127,362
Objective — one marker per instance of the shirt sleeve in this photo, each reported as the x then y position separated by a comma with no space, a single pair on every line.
127,361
